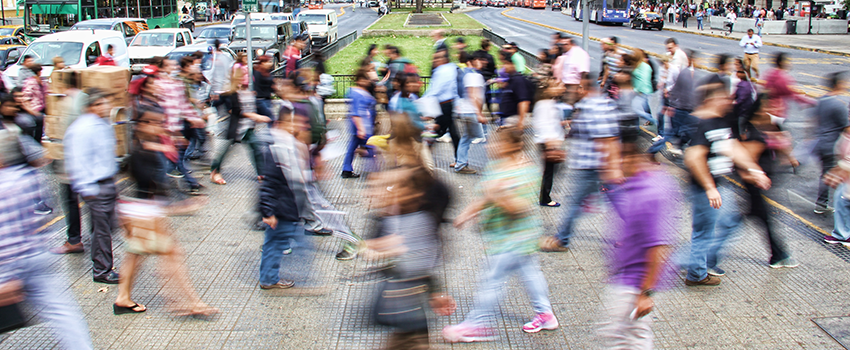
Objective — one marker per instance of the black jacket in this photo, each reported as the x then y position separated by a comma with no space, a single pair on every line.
276,198
263,85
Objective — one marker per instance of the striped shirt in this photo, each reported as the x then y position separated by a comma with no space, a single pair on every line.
20,189
595,118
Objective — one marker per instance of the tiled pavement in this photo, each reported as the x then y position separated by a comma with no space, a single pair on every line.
754,308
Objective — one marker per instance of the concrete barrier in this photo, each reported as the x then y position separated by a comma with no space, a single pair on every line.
819,26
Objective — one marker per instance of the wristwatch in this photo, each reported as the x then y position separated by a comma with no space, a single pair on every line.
648,292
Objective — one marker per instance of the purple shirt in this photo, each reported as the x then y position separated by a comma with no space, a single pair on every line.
642,202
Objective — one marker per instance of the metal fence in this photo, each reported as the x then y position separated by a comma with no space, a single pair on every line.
327,52
343,82
531,59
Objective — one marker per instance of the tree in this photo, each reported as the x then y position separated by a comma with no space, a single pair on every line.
419,6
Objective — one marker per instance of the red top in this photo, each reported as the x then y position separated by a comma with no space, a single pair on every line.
778,84
292,56
105,60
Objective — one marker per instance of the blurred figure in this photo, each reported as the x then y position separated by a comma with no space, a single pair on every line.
682,101
90,162
570,68
488,71
515,100
412,204
549,136
107,58
594,158
611,64
263,82
58,63
511,227
34,100
832,113
837,178
220,85
778,84
439,37
469,109
443,87
293,53
26,274
714,152
361,121
640,249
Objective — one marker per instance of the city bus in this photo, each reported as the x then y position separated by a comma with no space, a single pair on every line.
603,11
48,16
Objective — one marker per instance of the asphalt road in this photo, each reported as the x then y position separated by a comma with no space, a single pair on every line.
796,191
348,22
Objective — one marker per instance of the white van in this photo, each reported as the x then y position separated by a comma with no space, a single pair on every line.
323,24
255,16
79,49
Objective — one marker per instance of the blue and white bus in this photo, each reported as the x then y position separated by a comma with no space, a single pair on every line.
603,11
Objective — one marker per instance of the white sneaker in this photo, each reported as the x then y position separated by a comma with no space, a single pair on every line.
676,152
445,138
657,138
479,140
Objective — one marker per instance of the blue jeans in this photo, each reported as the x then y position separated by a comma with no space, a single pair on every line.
46,290
587,183
640,105
277,240
471,130
681,126
181,166
264,108
706,241
353,144
842,214
502,266
699,23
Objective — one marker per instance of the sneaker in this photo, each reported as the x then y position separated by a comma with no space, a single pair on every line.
479,140
716,271
282,284
707,281
175,174
194,190
350,175
540,322
787,262
823,210
466,170
346,254
463,333
287,251
551,244
676,152
42,209
657,138
834,240
445,138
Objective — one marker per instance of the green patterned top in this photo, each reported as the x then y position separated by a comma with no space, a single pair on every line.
506,233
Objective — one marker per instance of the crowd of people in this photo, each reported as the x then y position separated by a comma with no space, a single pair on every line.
721,125
682,12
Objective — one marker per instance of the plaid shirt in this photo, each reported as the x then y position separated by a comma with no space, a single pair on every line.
34,92
175,102
596,118
20,189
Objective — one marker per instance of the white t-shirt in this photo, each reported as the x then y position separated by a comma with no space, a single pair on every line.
547,118
680,59
470,80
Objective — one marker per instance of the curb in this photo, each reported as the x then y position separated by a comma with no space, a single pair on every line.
795,47
653,54
206,24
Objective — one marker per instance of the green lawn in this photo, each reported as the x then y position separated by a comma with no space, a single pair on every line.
417,49
457,20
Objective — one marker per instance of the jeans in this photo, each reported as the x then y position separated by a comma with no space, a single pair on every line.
705,241
827,161
445,123
255,155
842,214
47,291
699,23
471,130
181,166
71,206
264,107
587,183
353,144
502,266
103,215
640,105
681,126
731,217
620,331
277,240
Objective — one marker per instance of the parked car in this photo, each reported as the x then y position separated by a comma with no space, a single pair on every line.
128,26
11,40
9,54
15,30
156,42
283,16
556,6
315,5
255,17
186,21
79,49
298,28
372,3
323,24
207,62
648,20
211,33
267,38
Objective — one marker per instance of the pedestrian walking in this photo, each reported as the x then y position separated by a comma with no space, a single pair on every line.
549,135
831,113
681,100
517,93
611,64
751,44
778,84
361,121
444,88
837,178
469,109
90,162
511,226
570,69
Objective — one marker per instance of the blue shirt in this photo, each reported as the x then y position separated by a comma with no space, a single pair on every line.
89,153
361,105
443,84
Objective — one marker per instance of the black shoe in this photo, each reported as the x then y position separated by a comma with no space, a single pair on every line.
42,209
175,174
350,175
322,232
109,278
195,190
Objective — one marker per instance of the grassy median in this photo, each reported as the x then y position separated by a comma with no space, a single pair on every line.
416,49
457,21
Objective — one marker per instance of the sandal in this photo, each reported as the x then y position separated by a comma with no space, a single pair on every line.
216,178
120,310
202,310
552,204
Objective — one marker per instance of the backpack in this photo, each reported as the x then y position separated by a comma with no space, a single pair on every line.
461,90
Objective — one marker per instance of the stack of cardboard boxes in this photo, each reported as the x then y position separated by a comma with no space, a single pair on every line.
113,80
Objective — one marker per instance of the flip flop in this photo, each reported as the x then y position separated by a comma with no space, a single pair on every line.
217,179
120,310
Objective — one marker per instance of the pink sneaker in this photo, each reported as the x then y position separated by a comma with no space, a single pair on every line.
466,334
540,322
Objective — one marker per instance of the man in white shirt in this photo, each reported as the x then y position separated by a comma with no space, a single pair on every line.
469,108
751,44
679,57
731,18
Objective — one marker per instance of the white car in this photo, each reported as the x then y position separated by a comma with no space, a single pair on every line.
156,42
255,16
79,49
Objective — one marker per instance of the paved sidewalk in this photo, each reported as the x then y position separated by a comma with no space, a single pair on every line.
755,307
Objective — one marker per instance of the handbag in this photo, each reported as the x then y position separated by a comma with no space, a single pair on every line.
400,303
554,152
146,225
11,318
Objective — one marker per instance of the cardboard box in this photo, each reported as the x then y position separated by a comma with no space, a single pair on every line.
121,139
110,79
120,99
60,80
54,105
55,150
54,126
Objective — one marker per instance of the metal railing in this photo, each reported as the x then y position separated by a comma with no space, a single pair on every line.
327,52
531,59
343,82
